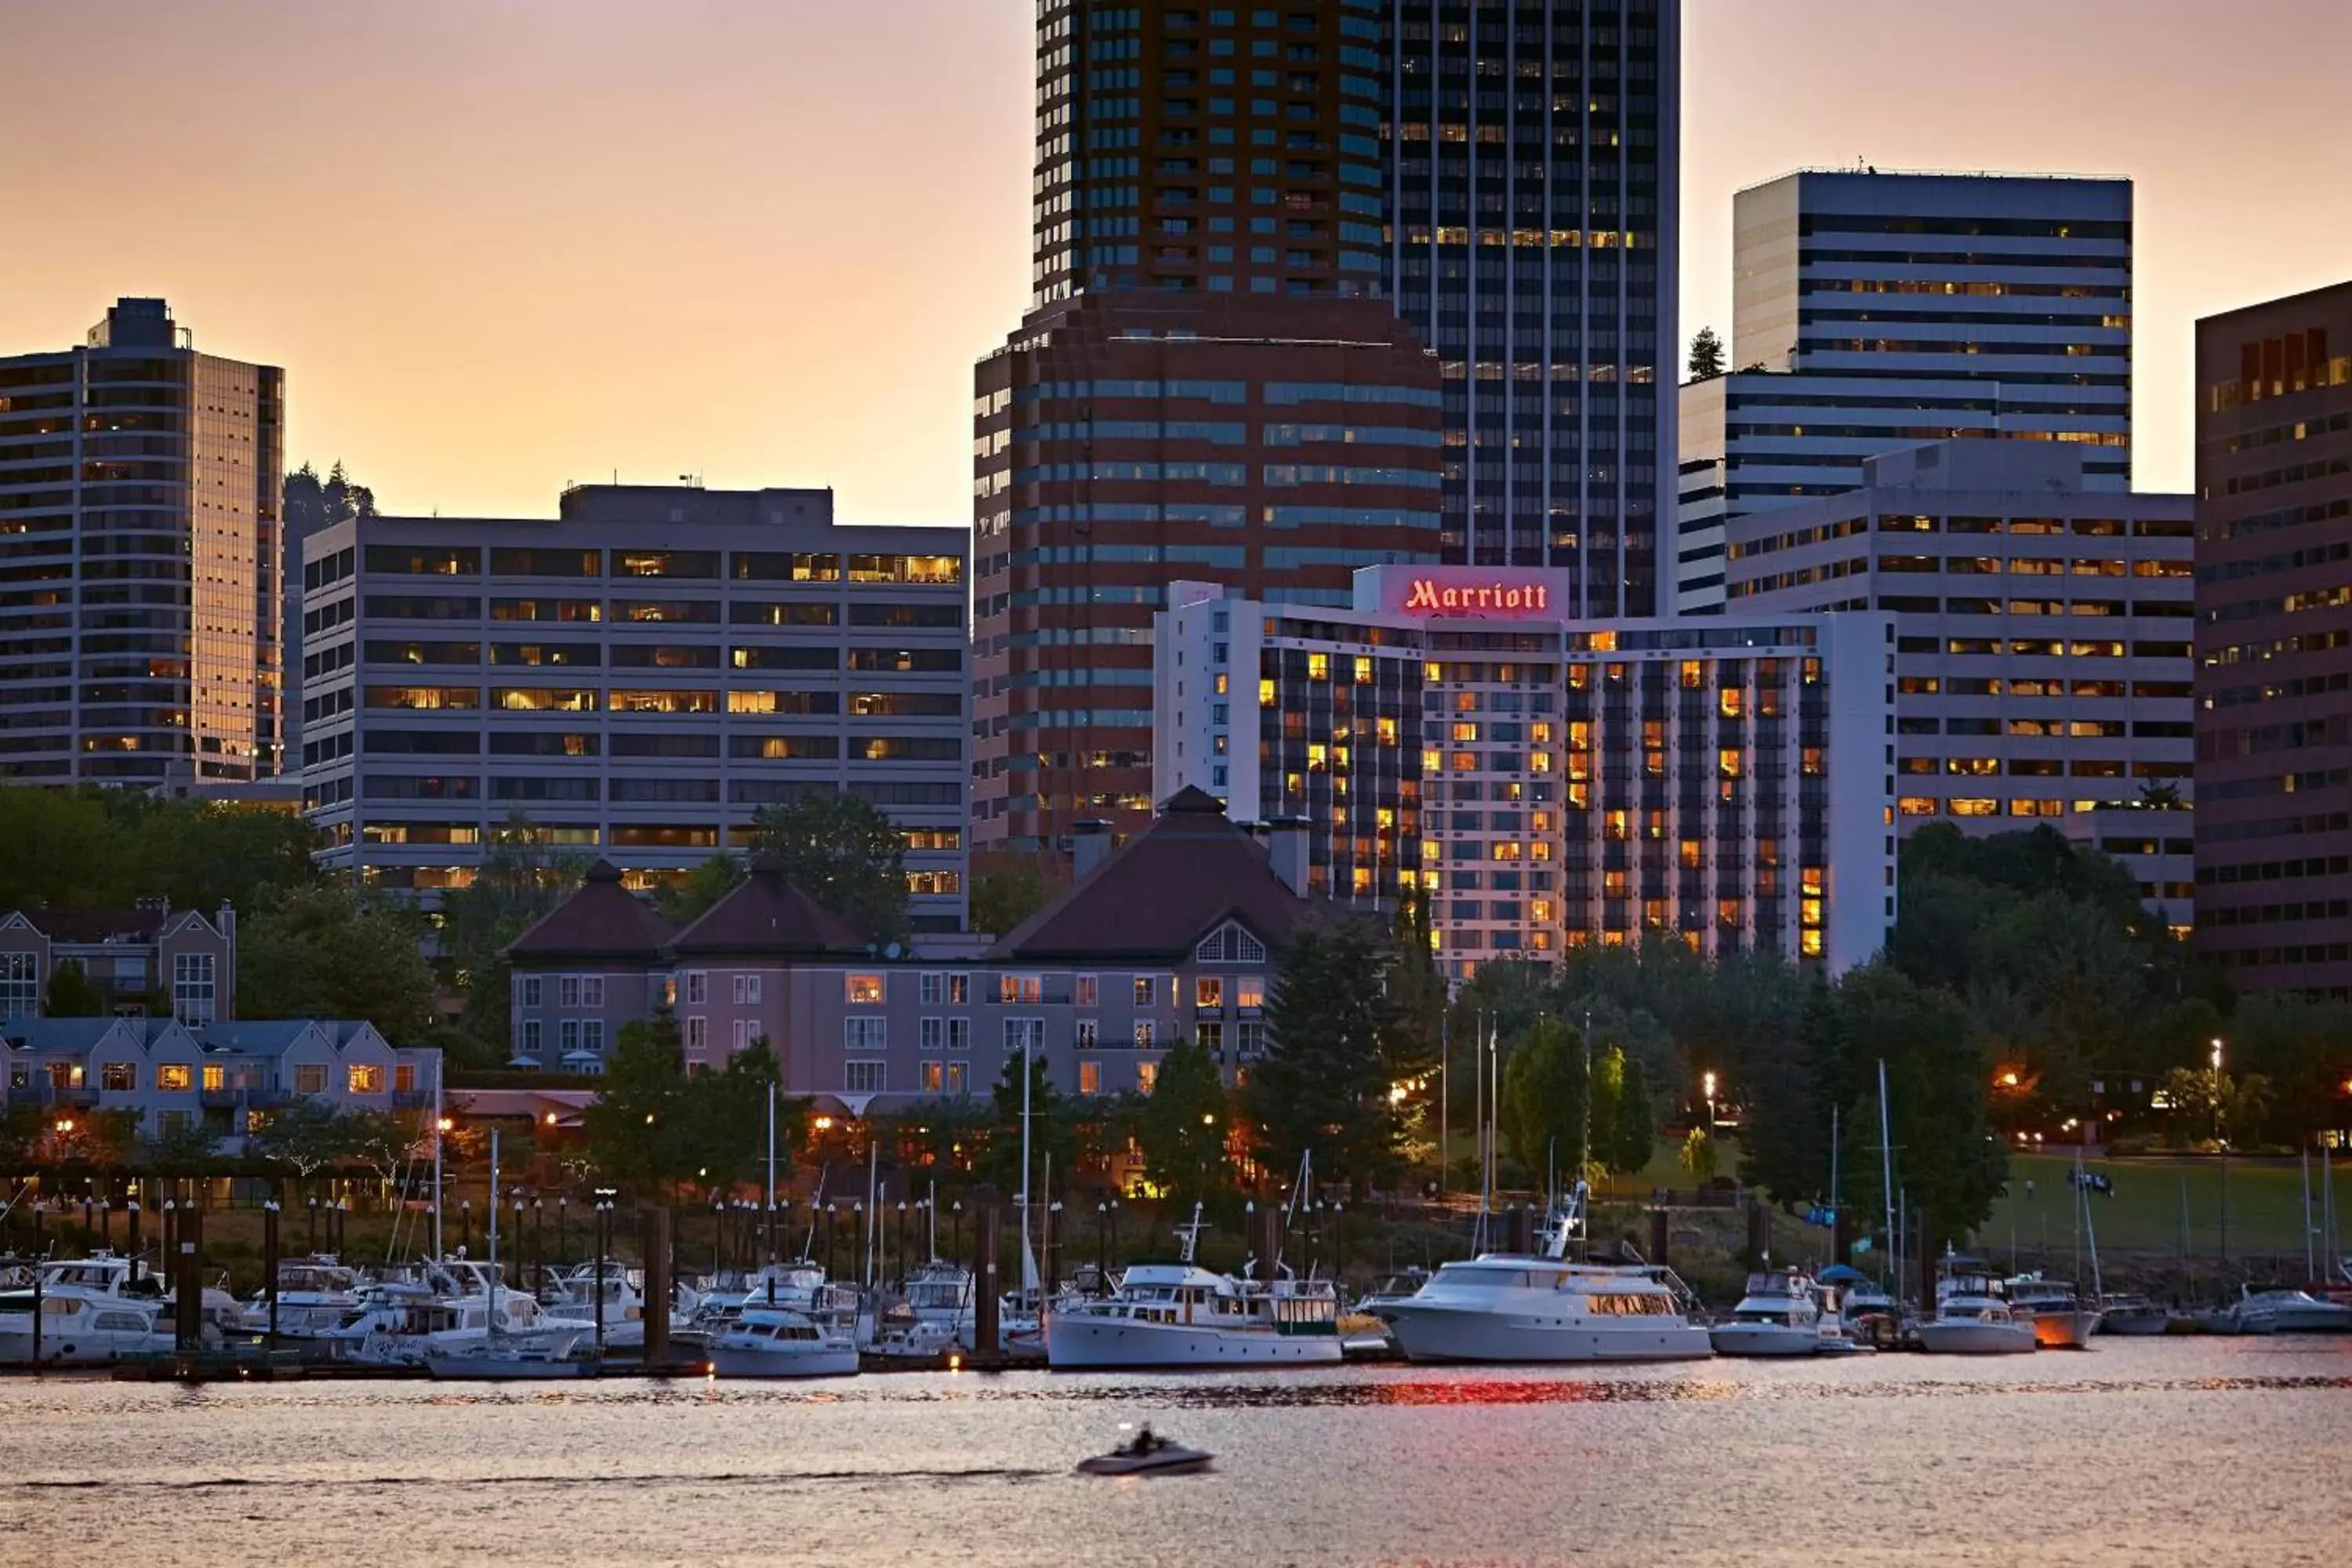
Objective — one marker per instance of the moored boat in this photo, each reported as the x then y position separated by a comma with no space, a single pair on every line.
777,1342
1182,1315
1972,1316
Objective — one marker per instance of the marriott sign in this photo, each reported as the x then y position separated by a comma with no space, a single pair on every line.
1470,593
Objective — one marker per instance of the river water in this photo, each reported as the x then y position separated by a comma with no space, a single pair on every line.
2141,1451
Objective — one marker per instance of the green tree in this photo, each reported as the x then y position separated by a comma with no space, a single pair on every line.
1008,887
1053,1127
320,952
688,898
1949,1163
636,1126
1787,1078
102,1138
1547,1084
521,878
200,854
23,1130
1332,1035
312,503
186,1146
724,1120
1698,1155
1182,1125
946,1134
309,1134
1705,356
71,994
1634,1132
845,852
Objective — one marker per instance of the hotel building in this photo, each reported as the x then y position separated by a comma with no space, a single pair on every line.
2274,643
640,675
1876,311
139,560
2041,639
1549,782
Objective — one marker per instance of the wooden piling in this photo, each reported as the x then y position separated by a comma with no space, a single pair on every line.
986,1287
188,1275
1659,1225
654,1223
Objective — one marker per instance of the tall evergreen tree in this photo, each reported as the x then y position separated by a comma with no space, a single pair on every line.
1324,1083
1705,356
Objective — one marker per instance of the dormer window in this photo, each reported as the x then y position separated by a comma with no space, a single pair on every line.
1229,944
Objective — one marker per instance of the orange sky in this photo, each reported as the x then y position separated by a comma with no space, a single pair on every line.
499,245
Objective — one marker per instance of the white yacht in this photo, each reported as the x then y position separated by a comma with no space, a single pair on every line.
2286,1311
1972,1316
314,1294
1515,1307
776,1341
459,1306
87,1315
2060,1319
1180,1314
1781,1314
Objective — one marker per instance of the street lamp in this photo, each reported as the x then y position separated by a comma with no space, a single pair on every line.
2225,1143
1707,1086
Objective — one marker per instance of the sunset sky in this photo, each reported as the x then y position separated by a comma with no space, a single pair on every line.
500,245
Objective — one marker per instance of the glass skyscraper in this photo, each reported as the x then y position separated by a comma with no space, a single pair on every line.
1532,242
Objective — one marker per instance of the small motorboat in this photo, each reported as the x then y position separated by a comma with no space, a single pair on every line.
1148,1455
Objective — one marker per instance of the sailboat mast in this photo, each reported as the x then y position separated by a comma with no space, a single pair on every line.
1886,1155
772,1174
493,1229
437,1157
1027,1073
1833,1174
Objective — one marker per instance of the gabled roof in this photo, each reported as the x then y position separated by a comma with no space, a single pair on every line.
767,916
57,1034
250,1036
93,926
602,920
1172,884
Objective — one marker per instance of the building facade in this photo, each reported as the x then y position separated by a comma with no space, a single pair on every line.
1173,936
639,676
153,962
1533,193
1123,442
2043,637
226,1077
140,570
2274,643
1876,311
1547,782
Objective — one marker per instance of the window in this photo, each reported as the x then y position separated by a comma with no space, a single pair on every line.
958,990
1025,1034
1251,1041
174,1077
932,989
531,1037
1229,944
959,1034
592,991
567,990
530,990
216,1077
1144,1029
957,1083
1088,993
697,984
1211,1037
742,1036
310,1078
746,989
863,1077
20,987
1024,988
934,1076
568,1033
1144,991
362,1078
1087,1033
698,1032
591,1034
191,988
1147,1075
117,1078
865,1034
1249,993
1089,1078
931,1034
1209,993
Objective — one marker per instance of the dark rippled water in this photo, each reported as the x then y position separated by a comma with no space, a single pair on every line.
2158,1452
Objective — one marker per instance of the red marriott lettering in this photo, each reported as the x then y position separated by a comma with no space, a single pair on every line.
1432,597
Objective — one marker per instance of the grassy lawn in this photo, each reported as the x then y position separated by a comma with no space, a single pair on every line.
2144,1214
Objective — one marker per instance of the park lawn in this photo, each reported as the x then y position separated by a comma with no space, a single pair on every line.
2144,1213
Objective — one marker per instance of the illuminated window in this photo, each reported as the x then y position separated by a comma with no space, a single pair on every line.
1809,942
1614,884
1727,762
362,1078
1616,824
1319,666
866,989
1730,702
1812,762
1465,733
1691,673
1363,671
1690,855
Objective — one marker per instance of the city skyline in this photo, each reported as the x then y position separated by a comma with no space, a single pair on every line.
527,201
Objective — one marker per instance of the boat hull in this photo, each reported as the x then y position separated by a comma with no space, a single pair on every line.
2064,1331
1165,1462
1427,1333
504,1369
2136,1324
1077,1341
1975,1339
834,1361
1764,1340
86,1349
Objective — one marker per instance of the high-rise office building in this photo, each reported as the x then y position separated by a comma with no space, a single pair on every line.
2042,640
2275,642
1210,149
139,601
1124,442
1874,312
1532,243
639,676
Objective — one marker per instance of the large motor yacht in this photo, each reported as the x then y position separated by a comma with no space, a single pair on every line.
776,1341
1180,1314
1517,1307
91,1310
1972,1315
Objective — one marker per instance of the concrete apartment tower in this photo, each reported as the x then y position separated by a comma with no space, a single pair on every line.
139,621
1874,312
2274,643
